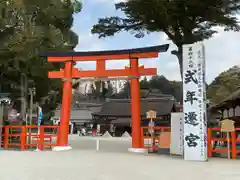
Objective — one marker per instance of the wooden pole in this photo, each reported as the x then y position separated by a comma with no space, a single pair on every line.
30,115
135,106
6,137
153,137
210,148
1,121
66,105
23,138
228,145
234,145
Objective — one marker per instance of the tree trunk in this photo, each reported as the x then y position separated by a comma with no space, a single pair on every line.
179,54
23,96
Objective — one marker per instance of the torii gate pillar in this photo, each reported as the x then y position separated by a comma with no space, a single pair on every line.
62,140
135,107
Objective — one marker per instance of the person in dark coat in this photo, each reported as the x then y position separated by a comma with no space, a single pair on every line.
218,135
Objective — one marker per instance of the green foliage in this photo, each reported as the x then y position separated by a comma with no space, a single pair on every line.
157,83
224,85
183,21
167,87
77,6
27,28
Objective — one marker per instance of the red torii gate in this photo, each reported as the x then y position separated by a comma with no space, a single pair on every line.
133,72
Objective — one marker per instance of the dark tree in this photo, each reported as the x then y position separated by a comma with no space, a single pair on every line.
29,27
224,85
183,21
156,83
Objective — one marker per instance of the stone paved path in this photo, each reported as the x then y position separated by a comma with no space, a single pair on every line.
87,164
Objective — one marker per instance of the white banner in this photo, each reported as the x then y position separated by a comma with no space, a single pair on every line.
176,147
194,102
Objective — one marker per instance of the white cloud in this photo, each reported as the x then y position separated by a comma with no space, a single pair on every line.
87,42
222,52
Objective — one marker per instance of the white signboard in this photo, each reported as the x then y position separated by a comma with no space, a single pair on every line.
176,146
194,103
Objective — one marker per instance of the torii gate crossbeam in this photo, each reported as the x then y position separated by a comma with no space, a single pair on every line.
134,72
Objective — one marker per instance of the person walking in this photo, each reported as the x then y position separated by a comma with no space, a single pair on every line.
216,143
111,129
98,129
83,131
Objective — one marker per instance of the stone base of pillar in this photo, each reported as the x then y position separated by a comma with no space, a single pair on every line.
62,148
138,150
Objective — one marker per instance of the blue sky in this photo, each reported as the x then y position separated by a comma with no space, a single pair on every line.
222,51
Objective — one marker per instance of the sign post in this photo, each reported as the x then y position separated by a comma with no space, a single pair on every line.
152,115
176,146
194,103
227,126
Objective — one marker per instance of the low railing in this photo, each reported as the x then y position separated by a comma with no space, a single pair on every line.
26,137
233,140
147,140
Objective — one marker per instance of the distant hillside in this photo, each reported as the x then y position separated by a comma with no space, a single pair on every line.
164,86
160,83
224,85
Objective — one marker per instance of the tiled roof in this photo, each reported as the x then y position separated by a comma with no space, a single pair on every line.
77,114
233,96
161,48
122,108
228,101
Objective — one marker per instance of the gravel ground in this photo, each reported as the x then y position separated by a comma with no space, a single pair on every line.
113,162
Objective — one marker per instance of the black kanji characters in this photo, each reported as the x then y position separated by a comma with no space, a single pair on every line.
190,76
191,118
191,140
190,57
190,53
190,97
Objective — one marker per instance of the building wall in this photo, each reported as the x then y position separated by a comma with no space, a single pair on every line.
95,109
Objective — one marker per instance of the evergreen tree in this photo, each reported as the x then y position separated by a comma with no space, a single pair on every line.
183,21
29,27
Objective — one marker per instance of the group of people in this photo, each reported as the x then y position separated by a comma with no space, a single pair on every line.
95,130
89,129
